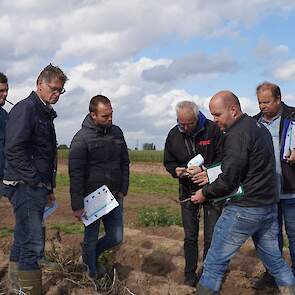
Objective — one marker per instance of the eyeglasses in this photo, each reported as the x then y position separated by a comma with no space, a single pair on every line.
56,90
188,125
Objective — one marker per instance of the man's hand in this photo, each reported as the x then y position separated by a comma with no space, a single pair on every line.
79,213
201,178
198,197
50,200
291,158
181,172
121,195
193,170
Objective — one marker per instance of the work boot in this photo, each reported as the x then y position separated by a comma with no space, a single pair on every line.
190,279
287,290
30,282
267,280
202,290
13,276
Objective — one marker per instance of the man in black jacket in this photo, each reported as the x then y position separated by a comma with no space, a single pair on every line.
248,160
99,156
279,119
30,147
194,134
3,119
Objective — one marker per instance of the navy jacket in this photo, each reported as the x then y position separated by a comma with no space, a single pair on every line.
30,143
3,119
98,156
288,171
180,148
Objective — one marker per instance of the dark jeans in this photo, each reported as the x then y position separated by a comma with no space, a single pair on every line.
28,205
190,218
286,216
93,247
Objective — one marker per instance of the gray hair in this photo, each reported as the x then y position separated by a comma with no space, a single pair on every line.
188,105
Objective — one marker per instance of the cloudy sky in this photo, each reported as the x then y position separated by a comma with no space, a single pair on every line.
147,55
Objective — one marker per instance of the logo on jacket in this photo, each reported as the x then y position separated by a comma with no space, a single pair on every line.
204,142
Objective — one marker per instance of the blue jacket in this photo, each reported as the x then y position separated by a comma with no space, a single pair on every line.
30,143
3,119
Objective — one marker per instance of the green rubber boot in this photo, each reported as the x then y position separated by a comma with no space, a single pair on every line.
30,282
13,276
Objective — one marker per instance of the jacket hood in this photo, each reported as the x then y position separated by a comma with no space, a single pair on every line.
88,123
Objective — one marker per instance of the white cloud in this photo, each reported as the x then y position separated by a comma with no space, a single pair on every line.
286,71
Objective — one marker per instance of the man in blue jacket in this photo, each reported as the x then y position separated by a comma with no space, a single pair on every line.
29,174
3,119
99,156
279,119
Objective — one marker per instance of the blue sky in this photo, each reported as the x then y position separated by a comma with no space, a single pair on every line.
147,55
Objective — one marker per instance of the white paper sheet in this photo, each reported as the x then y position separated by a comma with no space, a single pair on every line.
98,204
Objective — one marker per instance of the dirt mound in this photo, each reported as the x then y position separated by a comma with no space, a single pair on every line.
146,264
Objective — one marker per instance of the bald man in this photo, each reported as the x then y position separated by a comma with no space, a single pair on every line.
248,160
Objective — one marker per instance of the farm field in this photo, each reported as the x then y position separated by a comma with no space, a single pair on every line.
150,261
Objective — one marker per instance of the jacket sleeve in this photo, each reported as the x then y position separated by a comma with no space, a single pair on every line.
170,161
78,171
233,166
218,144
124,168
19,132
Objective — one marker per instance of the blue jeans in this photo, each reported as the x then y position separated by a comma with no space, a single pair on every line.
286,215
28,205
235,225
93,247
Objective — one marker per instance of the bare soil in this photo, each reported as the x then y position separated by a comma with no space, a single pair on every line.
149,262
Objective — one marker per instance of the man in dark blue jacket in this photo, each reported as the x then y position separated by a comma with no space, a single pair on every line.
29,174
3,119
99,156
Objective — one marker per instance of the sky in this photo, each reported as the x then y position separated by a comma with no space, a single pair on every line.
146,56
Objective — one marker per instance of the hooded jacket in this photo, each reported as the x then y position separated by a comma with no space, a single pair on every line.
180,147
98,156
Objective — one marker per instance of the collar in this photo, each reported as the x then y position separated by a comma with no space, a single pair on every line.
277,116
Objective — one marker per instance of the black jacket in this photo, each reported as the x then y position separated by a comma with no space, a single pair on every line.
3,120
98,156
248,159
30,143
180,148
288,172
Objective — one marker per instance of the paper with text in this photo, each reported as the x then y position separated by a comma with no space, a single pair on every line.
98,204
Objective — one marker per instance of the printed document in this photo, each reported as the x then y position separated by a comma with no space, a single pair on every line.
98,204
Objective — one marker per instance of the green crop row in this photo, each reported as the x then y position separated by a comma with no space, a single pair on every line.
135,156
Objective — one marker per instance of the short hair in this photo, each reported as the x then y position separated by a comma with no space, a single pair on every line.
95,100
50,73
186,104
3,78
275,89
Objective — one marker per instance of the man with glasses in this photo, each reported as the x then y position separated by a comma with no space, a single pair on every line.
279,119
194,134
29,175
3,119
